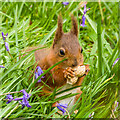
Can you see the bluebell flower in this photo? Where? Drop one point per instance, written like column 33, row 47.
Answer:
column 10, row 98
column 65, row 3
column 1, row 66
column 6, row 46
column 83, row 17
column 24, row 102
column 62, row 107
column 83, row 21
column 36, row 75
column 17, row 99
column 38, row 72
column 115, row 105
column 91, row 115
column 85, row 10
column 4, row 36
column 116, row 61
column 25, row 93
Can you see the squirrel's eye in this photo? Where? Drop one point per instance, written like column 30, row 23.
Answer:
column 81, row 50
column 62, row 52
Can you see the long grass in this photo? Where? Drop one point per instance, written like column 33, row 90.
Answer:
column 32, row 24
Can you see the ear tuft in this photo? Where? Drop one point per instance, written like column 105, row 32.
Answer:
column 74, row 29
column 59, row 30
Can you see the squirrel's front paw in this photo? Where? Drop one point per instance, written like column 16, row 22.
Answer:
column 69, row 74
column 72, row 74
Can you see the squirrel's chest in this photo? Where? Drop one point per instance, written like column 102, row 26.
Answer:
column 70, row 100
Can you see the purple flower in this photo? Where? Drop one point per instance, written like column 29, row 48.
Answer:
column 17, row 99
column 91, row 115
column 6, row 46
column 83, row 21
column 62, row 107
column 116, row 61
column 65, row 3
column 10, row 98
column 24, row 99
column 2, row 66
column 25, row 93
column 36, row 75
column 85, row 10
column 4, row 36
column 38, row 72
column 24, row 102
column 83, row 17
column 116, row 105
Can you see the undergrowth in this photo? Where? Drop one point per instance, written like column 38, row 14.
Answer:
column 35, row 23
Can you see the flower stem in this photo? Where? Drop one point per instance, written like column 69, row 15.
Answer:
column 10, row 93
column 10, row 55
column 113, row 114
column 8, row 52
column 66, row 111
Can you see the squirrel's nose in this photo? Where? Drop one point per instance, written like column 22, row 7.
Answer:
column 75, row 63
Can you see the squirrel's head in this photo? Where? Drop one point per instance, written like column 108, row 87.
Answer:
column 66, row 45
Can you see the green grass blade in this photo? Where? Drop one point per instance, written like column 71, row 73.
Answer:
column 100, row 63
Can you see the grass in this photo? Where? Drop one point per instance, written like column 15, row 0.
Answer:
column 100, row 49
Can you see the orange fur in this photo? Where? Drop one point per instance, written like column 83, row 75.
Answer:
column 49, row 56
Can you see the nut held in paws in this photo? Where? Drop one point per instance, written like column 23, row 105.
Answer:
column 79, row 72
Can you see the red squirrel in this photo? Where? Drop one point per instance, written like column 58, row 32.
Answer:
column 65, row 45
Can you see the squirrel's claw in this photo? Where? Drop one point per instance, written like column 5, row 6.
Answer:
column 69, row 73
column 73, row 74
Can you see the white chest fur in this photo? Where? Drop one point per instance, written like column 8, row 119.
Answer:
column 70, row 101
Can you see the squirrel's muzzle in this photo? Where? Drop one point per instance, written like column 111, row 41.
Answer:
column 75, row 63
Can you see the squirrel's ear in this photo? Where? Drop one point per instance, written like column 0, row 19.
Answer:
column 74, row 29
column 59, row 30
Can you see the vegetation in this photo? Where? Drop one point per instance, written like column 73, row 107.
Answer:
column 31, row 24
